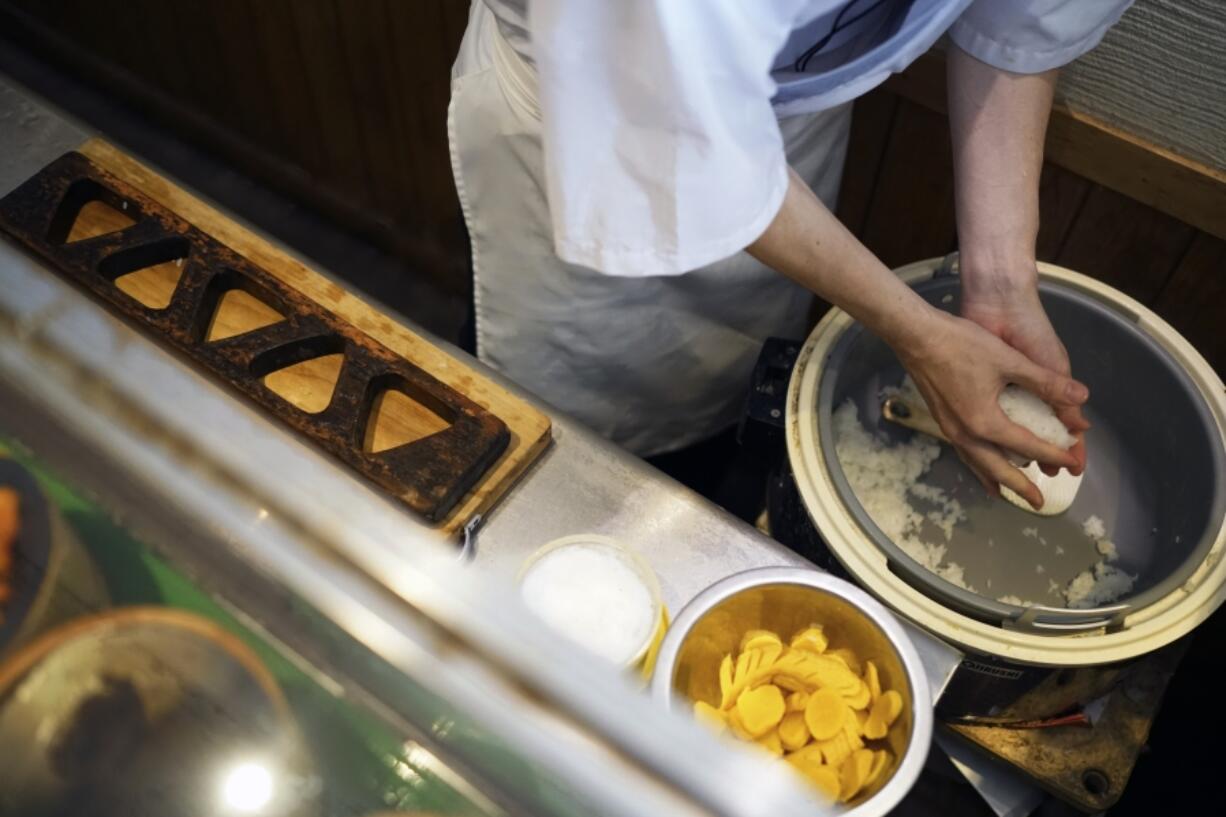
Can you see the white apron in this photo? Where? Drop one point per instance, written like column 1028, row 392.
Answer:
column 653, row 363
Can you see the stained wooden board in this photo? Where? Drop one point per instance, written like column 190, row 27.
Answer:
column 397, row 418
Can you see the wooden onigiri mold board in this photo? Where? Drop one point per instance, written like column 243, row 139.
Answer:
column 404, row 414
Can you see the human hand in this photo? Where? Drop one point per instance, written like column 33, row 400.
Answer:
column 960, row 369
column 1014, row 314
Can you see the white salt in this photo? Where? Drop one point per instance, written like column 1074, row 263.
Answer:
column 1059, row 550
column 1033, row 533
column 1039, row 569
column 1107, row 548
column 1094, row 527
column 1028, row 411
column 591, row 595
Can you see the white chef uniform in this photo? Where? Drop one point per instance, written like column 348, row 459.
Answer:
column 608, row 204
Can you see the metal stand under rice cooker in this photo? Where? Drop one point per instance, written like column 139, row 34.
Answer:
column 1157, row 453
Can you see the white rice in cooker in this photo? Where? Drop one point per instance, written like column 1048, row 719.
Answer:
column 1101, row 583
column 886, row 477
column 886, row 480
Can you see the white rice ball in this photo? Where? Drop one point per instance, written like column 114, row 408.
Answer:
column 1031, row 413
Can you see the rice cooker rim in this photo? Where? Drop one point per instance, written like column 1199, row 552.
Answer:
column 1141, row 630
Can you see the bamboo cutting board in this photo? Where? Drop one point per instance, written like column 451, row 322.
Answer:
column 395, row 418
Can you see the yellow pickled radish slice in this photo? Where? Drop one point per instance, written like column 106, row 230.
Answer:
column 875, row 728
column 725, row 680
column 710, row 716
column 759, row 669
column 853, row 773
column 737, row 727
column 826, row 778
column 790, row 684
column 761, row 709
column 881, row 759
column 759, row 638
column 767, row 654
column 825, row 714
column 861, row 719
column 810, row 755
column 817, row 671
column 872, row 679
column 849, row 658
column 797, row 700
column 833, row 673
column 835, row 750
column 740, row 668
column 793, row 732
column 810, row 640
column 888, row 707
column 852, row 732
column 771, row 743
column 861, row 699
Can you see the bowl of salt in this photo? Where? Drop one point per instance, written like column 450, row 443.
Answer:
column 598, row 593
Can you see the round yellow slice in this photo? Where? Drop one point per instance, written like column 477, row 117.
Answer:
column 825, row 714
column 853, row 773
column 761, row 709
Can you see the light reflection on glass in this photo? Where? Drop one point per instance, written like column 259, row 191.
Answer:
column 247, row 788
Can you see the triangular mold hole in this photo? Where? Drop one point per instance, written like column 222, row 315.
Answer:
column 239, row 312
column 98, row 218
column 397, row 419
column 308, row 385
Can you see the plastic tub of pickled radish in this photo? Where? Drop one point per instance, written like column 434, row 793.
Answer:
column 598, row 593
column 812, row 670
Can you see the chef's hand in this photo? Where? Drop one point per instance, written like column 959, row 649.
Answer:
column 961, row 368
column 1008, row 306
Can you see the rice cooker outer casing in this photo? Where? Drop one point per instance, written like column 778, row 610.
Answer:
column 1142, row 631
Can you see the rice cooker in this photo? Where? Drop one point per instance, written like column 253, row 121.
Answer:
column 1154, row 479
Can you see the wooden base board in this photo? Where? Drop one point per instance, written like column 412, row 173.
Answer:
column 530, row 428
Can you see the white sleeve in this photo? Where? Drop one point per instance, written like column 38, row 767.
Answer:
column 1032, row 36
column 662, row 153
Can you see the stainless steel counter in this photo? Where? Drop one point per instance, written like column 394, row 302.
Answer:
column 581, row 484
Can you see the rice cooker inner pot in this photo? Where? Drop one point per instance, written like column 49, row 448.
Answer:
column 1153, row 476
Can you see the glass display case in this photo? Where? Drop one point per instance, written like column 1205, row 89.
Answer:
column 206, row 616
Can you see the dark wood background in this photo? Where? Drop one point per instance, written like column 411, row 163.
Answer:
column 342, row 105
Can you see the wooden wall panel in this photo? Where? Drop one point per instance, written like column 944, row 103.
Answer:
column 902, row 208
column 1132, row 247
column 911, row 215
column 871, row 122
column 1061, row 196
column 341, row 103
column 1194, row 299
